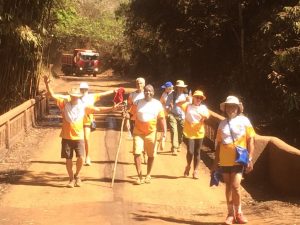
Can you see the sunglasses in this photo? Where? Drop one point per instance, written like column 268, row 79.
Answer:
column 198, row 97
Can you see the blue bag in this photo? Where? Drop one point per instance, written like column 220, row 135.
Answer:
column 242, row 155
column 215, row 178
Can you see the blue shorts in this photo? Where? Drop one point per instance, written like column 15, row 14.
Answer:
column 69, row 146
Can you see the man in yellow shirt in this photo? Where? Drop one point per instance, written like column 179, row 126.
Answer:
column 147, row 112
column 73, row 111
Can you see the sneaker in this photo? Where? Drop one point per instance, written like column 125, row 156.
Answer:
column 139, row 181
column 88, row 161
column 229, row 220
column 148, row 179
column 187, row 171
column 78, row 182
column 70, row 184
column 196, row 174
column 241, row 219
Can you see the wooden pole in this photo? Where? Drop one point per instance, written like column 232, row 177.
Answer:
column 117, row 154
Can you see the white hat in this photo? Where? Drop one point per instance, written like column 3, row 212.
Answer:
column 75, row 92
column 180, row 83
column 84, row 85
column 231, row 100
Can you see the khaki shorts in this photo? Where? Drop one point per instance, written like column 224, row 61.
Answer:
column 144, row 142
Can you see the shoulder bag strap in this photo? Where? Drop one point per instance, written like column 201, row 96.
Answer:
column 230, row 132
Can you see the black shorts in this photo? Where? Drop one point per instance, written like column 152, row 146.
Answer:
column 232, row 169
column 69, row 146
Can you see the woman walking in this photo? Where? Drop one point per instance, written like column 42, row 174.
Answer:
column 234, row 130
column 195, row 114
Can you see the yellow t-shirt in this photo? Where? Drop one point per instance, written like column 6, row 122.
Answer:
column 72, row 119
column 146, row 115
column 194, row 120
column 89, row 101
column 241, row 129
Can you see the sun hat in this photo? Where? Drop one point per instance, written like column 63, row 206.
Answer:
column 84, row 85
column 199, row 93
column 180, row 83
column 75, row 92
column 231, row 100
column 167, row 85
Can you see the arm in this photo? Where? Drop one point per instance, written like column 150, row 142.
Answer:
column 50, row 91
column 217, row 158
column 107, row 109
column 101, row 94
column 250, row 147
column 163, row 125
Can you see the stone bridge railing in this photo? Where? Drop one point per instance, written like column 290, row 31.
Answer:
column 274, row 160
column 15, row 122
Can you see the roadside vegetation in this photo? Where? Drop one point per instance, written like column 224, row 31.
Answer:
column 250, row 48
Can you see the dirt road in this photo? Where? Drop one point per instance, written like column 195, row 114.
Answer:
column 38, row 195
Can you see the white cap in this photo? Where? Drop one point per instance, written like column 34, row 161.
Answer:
column 84, row 85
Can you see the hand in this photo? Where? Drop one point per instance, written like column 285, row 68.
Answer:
column 46, row 79
column 249, row 167
column 116, row 90
column 118, row 106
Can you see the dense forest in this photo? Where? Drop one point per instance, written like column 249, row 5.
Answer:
column 250, row 48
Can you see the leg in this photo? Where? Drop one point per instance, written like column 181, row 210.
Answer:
column 79, row 149
column 197, row 157
column 189, row 155
column 180, row 125
column 69, row 167
column 67, row 153
column 236, row 178
column 87, row 132
column 138, row 147
column 228, row 192
column 149, row 146
column 174, row 134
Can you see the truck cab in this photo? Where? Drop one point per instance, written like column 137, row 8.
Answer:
column 82, row 61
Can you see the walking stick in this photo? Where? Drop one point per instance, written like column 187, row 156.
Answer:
column 119, row 146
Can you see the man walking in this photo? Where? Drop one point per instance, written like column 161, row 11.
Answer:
column 72, row 134
column 147, row 111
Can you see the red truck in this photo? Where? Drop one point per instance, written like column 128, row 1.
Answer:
column 82, row 61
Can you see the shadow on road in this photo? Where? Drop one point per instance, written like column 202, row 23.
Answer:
column 141, row 217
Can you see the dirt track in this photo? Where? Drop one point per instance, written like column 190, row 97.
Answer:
column 36, row 192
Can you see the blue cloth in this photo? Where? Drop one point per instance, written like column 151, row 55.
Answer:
column 215, row 178
column 167, row 84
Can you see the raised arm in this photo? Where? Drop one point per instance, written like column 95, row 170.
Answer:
column 50, row 91
column 107, row 109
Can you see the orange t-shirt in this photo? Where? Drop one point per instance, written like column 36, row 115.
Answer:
column 146, row 115
column 72, row 119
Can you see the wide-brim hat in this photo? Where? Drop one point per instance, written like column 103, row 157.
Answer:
column 232, row 100
column 75, row 92
column 200, row 94
column 167, row 85
column 84, row 85
column 180, row 83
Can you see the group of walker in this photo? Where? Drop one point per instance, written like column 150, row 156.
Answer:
column 185, row 115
